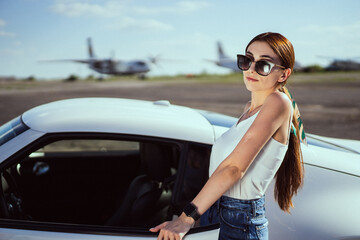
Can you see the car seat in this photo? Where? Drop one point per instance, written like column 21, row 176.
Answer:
column 149, row 195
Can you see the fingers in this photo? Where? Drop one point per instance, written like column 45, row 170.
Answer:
column 161, row 236
column 173, row 230
column 168, row 235
column 164, row 234
column 171, row 237
column 158, row 227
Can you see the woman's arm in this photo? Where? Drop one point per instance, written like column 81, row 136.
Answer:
column 275, row 112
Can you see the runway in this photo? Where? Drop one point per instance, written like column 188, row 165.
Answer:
column 331, row 110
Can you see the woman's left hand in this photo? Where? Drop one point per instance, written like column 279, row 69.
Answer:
column 175, row 229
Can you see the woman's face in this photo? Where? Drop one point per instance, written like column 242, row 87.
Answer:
column 255, row 82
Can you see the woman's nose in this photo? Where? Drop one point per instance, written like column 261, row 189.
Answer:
column 252, row 67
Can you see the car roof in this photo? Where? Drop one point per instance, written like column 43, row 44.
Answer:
column 117, row 115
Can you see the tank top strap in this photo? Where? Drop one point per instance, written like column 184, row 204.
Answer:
column 290, row 126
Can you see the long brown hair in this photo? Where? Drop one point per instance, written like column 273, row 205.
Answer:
column 289, row 177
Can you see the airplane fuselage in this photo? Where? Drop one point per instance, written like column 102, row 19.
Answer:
column 119, row 67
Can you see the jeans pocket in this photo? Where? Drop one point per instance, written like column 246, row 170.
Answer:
column 262, row 231
column 233, row 219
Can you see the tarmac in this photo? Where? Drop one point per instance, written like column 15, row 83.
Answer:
column 331, row 110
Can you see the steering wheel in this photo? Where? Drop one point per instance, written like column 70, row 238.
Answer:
column 11, row 203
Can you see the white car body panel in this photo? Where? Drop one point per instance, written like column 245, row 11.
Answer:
column 329, row 159
column 353, row 145
column 331, row 176
column 120, row 116
column 46, row 235
column 314, row 215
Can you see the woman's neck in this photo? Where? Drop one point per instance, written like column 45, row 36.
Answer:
column 258, row 98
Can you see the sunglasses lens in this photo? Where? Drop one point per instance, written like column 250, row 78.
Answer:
column 243, row 62
column 263, row 68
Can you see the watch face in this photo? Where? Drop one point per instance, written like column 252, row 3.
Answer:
column 191, row 211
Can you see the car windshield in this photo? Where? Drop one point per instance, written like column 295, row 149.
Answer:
column 218, row 119
column 11, row 129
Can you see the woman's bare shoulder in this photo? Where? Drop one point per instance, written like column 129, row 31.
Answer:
column 278, row 102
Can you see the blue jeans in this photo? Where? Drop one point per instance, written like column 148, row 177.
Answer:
column 239, row 219
column 242, row 219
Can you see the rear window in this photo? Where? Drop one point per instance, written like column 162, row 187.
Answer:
column 11, row 129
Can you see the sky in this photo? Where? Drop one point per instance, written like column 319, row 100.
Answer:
column 36, row 30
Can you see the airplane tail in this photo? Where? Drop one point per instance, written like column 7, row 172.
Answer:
column 221, row 53
column 90, row 49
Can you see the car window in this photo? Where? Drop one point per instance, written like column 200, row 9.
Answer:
column 11, row 129
column 107, row 182
column 87, row 146
column 195, row 175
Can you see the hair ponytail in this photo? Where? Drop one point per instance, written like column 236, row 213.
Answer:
column 290, row 175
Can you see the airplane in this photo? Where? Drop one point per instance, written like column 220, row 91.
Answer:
column 224, row 60
column 111, row 66
column 342, row 64
column 231, row 63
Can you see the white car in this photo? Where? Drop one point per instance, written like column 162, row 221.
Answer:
column 108, row 168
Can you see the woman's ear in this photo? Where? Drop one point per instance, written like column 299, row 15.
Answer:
column 285, row 75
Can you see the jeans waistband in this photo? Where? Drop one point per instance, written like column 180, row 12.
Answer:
column 240, row 204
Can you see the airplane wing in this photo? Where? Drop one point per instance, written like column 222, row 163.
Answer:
column 86, row 61
column 210, row 60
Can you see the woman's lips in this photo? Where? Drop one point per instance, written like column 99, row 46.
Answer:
column 251, row 79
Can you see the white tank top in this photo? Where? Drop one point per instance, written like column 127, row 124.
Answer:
column 261, row 171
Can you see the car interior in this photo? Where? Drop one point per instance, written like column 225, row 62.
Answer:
column 92, row 181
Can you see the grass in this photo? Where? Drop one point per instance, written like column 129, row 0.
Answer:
column 296, row 78
column 326, row 77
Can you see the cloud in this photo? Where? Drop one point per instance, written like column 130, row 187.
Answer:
column 143, row 24
column 78, row 9
column 5, row 33
column 351, row 30
column 11, row 52
column 124, row 15
column 190, row 6
column 181, row 7
column 120, row 14
column 336, row 41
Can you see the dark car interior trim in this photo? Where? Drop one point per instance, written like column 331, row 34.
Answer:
column 87, row 229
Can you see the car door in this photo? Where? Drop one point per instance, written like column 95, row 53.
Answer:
column 74, row 186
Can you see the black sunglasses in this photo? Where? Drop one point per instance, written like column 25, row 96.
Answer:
column 262, row 67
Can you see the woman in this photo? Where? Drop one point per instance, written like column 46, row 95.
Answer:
column 259, row 147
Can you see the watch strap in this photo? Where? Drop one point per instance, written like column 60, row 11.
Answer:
column 191, row 210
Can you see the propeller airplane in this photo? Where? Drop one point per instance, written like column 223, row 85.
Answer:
column 112, row 66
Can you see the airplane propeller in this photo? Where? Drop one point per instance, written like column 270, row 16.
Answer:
column 156, row 59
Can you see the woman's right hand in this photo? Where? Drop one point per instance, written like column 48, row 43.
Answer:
column 175, row 229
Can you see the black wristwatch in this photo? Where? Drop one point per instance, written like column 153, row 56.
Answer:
column 192, row 211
